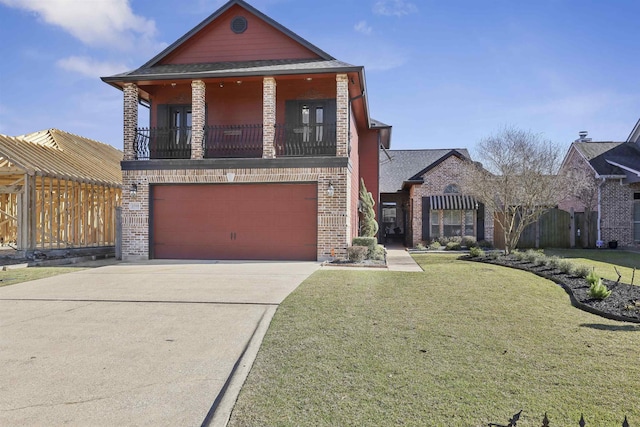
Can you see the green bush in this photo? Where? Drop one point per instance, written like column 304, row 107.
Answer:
column 476, row 252
column 532, row 256
column 444, row 241
column 518, row 255
column 599, row 290
column 493, row 254
column 541, row 260
column 565, row 266
column 552, row 261
column 369, row 242
column 357, row 253
column 452, row 246
column 581, row 270
column 420, row 247
column 485, row 244
column 592, row 278
column 377, row 253
column 468, row 241
column 435, row 245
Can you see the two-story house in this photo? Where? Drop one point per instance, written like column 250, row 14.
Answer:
column 256, row 145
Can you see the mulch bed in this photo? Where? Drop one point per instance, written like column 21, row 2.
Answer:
column 623, row 304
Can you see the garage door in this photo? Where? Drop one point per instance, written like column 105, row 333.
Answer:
column 234, row 221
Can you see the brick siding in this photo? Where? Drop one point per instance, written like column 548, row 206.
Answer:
column 198, row 96
column 130, row 92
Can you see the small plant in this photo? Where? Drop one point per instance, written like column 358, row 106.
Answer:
column 565, row 266
column 592, row 278
column 369, row 242
column 357, row 253
column 532, row 256
column 552, row 261
column 453, row 246
column 493, row 255
column 485, row 244
column 468, row 241
column 581, row 271
column 599, row 290
column 476, row 252
column 541, row 260
column 420, row 247
column 377, row 253
column 518, row 255
column 435, row 245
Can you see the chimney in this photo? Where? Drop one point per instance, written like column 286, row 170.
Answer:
column 583, row 136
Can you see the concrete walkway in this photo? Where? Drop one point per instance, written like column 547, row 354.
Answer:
column 398, row 259
column 154, row 343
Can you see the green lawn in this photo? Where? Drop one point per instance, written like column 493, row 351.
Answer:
column 462, row 344
column 603, row 261
column 13, row 276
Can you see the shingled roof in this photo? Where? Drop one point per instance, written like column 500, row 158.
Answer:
column 399, row 166
column 60, row 154
column 596, row 153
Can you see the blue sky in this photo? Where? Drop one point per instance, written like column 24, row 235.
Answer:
column 444, row 73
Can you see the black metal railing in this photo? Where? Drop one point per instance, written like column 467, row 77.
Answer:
column 243, row 141
column 305, row 140
column 163, row 143
column 513, row 422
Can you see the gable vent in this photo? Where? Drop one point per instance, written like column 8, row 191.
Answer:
column 239, row 24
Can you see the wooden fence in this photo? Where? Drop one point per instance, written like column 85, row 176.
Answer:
column 545, row 421
column 553, row 230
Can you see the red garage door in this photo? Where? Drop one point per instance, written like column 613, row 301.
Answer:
column 234, row 221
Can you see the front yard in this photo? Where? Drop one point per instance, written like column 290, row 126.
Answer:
column 462, row 344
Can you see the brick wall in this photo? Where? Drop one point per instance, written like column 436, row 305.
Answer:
column 333, row 215
column 198, row 95
column 574, row 161
column 450, row 171
column 616, row 215
column 130, row 93
column 268, row 117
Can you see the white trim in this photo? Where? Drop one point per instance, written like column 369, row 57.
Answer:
column 627, row 168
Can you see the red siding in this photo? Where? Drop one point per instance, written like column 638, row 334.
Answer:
column 355, row 176
column 318, row 88
column 217, row 43
column 369, row 163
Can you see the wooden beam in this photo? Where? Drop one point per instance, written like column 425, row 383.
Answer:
column 9, row 189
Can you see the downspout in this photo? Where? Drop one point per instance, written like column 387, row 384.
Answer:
column 599, row 239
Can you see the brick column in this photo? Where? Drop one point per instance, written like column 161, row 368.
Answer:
column 342, row 115
column 198, row 93
column 130, row 92
column 268, row 117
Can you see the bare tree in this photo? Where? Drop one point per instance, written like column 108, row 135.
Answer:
column 517, row 180
column 583, row 188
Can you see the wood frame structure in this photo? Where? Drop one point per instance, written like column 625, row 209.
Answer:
column 58, row 191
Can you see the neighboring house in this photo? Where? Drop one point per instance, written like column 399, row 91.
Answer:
column 615, row 167
column 58, row 191
column 256, row 145
column 422, row 197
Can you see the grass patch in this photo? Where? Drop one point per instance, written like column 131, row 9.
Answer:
column 603, row 262
column 18, row 275
column 462, row 344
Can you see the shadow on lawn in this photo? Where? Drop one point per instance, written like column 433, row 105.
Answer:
column 622, row 328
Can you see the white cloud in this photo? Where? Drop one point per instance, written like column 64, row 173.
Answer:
column 90, row 67
column 109, row 23
column 363, row 28
column 394, row 8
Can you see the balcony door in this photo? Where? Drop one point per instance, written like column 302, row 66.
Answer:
column 173, row 135
column 310, row 127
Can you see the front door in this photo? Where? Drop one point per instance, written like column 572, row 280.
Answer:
column 172, row 139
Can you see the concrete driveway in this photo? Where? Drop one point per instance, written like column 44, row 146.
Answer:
column 153, row 343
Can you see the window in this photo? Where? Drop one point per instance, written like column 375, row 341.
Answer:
column 389, row 214
column 452, row 221
column 468, row 224
column 451, row 189
column 435, row 224
column 636, row 217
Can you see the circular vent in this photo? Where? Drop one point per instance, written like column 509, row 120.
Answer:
column 239, row 24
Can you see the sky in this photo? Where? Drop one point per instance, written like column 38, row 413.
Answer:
column 443, row 73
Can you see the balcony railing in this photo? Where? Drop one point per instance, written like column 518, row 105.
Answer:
column 236, row 141
column 243, row 141
column 305, row 140
column 163, row 143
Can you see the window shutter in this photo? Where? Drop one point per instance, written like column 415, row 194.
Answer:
column 480, row 222
column 426, row 225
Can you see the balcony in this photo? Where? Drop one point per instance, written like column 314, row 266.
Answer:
column 236, row 141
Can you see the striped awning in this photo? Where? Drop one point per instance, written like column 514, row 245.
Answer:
column 453, row 202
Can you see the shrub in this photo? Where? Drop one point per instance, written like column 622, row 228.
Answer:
column 377, row 253
column 444, row 241
column 552, row 261
column 369, row 242
column 599, row 290
column 476, row 252
column 541, row 260
column 592, row 278
column 420, row 247
column 357, row 253
column 565, row 266
column 493, row 254
column 532, row 256
column 485, row 244
column 452, row 246
column 518, row 255
column 468, row 241
column 435, row 245
column 581, row 271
